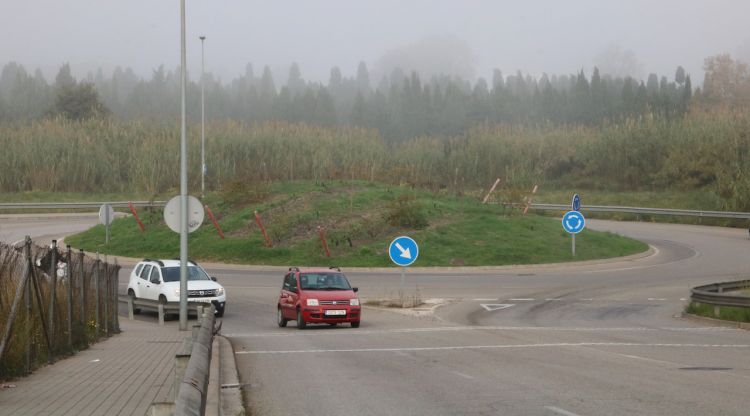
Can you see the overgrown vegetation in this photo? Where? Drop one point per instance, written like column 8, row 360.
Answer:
column 30, row 329
column 705, row 151
column 727, row 313
column 460, row 232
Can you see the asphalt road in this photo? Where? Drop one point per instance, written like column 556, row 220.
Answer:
column 578, row 339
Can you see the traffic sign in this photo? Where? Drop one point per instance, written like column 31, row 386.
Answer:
column 403, row 251
column 106, row 214
column 576, row 202
column 573, row 222
column 195, row 214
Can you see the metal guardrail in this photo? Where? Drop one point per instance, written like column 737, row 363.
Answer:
column 191, row 398
column 76, row 205
column 161, row 308
column 643, row 211
column 714, row 294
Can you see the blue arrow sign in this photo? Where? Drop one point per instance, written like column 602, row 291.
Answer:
column 576, row 202
column 573, row 222
column 403, row 251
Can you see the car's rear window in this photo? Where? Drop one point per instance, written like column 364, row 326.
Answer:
column 172, row 274
column 324, row 281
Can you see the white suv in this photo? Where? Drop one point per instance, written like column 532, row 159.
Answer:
column 160, row 280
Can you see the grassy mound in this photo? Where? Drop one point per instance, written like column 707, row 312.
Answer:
column 360, row 219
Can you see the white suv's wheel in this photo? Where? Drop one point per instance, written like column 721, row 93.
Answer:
column 131, row 294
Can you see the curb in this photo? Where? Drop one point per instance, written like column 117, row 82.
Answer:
column 130, row 261
column 231, row 389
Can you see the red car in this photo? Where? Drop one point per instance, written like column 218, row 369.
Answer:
column 317, row 296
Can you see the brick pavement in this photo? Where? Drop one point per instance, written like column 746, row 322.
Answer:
column 122, row 375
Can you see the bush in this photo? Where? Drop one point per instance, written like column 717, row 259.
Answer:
column 406, row 211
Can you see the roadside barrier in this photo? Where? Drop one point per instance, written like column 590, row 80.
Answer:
column 643, row 211
column 136, row 304
column 715, row 294
column 78, row 205
column 542, row 207
column 192, row 370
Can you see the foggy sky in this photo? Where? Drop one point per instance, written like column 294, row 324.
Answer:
column 547, row 36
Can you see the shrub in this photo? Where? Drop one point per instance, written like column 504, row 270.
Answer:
column 406, row 211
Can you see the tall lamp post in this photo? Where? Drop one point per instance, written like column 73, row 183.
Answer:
column 183, row 179
column 203, row 122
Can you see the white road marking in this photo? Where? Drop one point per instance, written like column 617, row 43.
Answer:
column 522, row 299
column 485, row 300
column 549, row 299
column 466, row 376
column 683, row 299
column 635, row 357
column 657, row 299
column 696, row 253
column 491, row 307
column 499, row 346
column 476, row 328
column 560, row 411
column 587, row 299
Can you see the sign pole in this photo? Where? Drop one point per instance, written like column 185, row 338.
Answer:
column 574, row 245
column 106, row 228
column 403, row 278
column 183, row 179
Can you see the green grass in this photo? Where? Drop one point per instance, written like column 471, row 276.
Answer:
column 692, row 199
column 461, row 231
column 726, row 313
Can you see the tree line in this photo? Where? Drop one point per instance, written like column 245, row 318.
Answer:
column 400, row 105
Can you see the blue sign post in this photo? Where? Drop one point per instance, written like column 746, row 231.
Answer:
column 576, row 202
column 573, row 222
column 403, row 251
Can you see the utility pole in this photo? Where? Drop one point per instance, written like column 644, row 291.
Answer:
column 183, row 179
column 203, row 121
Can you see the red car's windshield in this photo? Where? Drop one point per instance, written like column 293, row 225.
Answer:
column 324, row 281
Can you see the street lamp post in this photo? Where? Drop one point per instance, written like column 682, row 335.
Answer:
column 203, row 122
column 183, row 179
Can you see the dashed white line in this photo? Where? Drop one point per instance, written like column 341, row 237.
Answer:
column 485, row 300
column 657, row 299
column 498, row 346
column 523, row 299
column 551, row 299
column 560, row 411
column 478, row 328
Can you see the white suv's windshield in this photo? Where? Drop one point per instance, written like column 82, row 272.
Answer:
column 172, row 274
column 324, row 281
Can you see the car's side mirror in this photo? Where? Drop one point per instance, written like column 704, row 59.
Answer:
column 213, row 278
column 155, row 282
column 355, row 289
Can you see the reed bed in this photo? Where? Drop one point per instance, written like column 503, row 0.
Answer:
column 702, row 150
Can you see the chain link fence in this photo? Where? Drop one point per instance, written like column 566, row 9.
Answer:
column 53, row 302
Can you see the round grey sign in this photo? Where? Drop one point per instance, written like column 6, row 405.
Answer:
column 106, row 214
column 195, row 214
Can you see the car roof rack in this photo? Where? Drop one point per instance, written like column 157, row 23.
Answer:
column 335, row 268
column 294, row 268
column 159, row 262
column 189, row 261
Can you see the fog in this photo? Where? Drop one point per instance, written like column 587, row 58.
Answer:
column 465, row 38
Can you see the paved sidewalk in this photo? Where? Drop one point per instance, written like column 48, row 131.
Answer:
column 122, row 375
